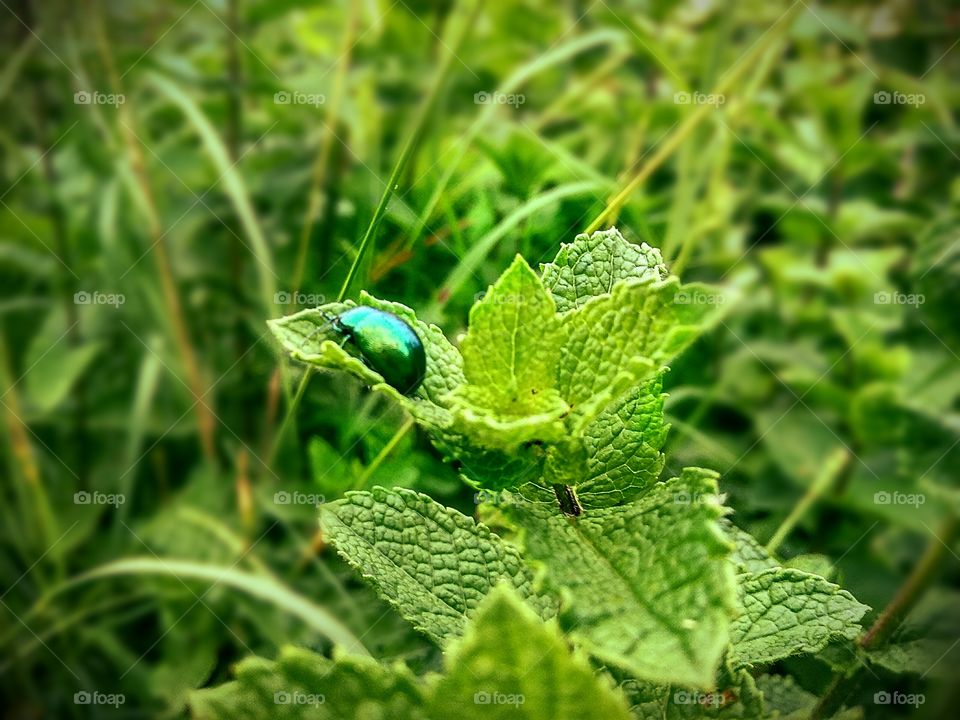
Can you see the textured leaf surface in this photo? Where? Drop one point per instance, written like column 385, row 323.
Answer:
column 782, row 695
column 787, row 612
column 309, row 337
column 736, row 697
column 592, row 264
column 510, row 348
column 431, row 562
column 650, row 585
column 303, row 684
column 623, row 447
column 512, row 665
column 614, row 341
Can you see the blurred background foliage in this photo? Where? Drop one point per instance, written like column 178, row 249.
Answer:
column 144, row 243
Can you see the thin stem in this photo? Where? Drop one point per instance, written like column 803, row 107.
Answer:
column 693, row 120
column 412, row 140
column 206, row 422
column 323, row 157
column 833, row 468
column 890, row 618
column 914, row 587
column 368, row 472
column 289, row 415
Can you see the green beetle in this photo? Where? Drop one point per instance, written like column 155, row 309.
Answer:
column 387, row 344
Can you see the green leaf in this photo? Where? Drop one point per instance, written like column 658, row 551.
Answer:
column 736, row 697
column 511, row 665
column 787, row 612
column 303, row 684
column 478, row 414
column 431, row 562
column 649, row 584
column 623, row 447
column 510, row 348
column 922, row 656
column 749, row 556
column 782, row 695
column 614, row 341
column 592, row 264
column 309, row 337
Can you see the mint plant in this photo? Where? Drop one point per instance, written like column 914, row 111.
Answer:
column 609, row 592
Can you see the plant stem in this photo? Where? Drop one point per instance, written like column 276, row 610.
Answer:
column 890, row 618
column 383, row 454
column 693, row 120
column 832, row 468
column 326, row 146
column 420, row 122
column 206, row 422
column 914, row 587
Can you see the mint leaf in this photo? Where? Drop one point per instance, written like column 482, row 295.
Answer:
column 736, row 697
column 623, row 445
column 431, row 562
column 303, row 684
column 509, row 664
column 650, row 585
column 309, row 337
column 749, row 556
column 787, row 612
column 592, row 264
column 510, row 348
column 782, row 695
column 614, row 341
column 478, row 414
